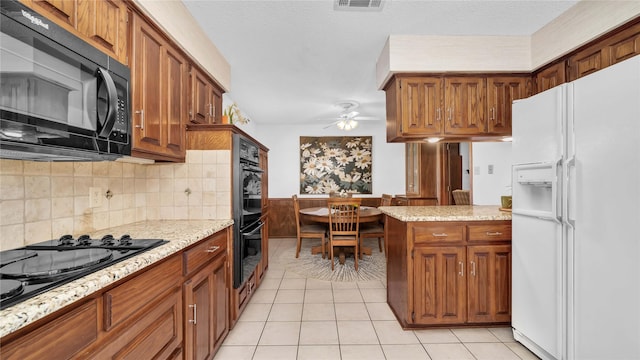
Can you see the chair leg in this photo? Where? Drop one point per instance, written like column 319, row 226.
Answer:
column 380, row 244
column 331, row 254
column 355, row 255
column 323, row 247
column 298, row 247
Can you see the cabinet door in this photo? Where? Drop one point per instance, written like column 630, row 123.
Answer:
column 501, row 91
column 159, row 76
column 198, row 314
column 551, row 76
column 62, row 12
column 439, row 285
column 421, row 105
column 206, row 309
column 145, row 76
column 585, row 62
column 174, row 101
column 221, row 291
column 104, row 23
column 489, row 294
column 465, row 105
column 201, row 106
column 622, row 46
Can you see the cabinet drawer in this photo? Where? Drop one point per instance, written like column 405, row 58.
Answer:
column 205, row 251
column 155, row 334
column 61, row 338
column 437, row 233
column 128, row 298
column 489, row 232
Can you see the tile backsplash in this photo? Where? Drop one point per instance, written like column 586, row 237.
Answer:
column 44, row 200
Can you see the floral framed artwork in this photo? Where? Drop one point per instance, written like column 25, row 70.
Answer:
column 335, row 163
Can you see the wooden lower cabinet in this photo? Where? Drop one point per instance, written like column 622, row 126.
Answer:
column 439, row 282
column 489, row 283
column 61, row 338
column 206, row 306
column 147, row 315
column 155, row 334
column 449, row 273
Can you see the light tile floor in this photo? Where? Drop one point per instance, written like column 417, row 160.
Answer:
column 292, row 317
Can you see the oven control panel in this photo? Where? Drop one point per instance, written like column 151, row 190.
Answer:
column 249, row 151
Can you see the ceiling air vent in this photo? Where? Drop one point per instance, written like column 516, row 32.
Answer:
column 358, row 5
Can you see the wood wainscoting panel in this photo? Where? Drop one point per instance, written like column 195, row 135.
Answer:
column 282, row 220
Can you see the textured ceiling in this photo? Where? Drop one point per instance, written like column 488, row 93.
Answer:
column 291, row 61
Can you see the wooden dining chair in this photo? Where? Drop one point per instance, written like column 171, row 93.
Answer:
column 308, row 231
column 344, row 224
column 376, row 230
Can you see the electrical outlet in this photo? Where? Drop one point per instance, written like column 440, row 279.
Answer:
column 95, row 197
column 490, row 169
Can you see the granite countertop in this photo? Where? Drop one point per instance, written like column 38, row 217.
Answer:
column 180, row 233
column 446, row 213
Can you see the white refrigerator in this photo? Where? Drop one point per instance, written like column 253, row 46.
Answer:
column 576, row 218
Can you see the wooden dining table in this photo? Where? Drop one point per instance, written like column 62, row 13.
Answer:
column 320, row 214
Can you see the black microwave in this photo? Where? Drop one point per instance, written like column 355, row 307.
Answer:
column 61, row 99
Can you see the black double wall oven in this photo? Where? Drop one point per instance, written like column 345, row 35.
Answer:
column 247, row 208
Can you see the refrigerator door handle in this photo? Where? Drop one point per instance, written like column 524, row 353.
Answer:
column 571, row 164
column 557, row 215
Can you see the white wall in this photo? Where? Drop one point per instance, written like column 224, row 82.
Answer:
column 283, row 141
column 487, row 188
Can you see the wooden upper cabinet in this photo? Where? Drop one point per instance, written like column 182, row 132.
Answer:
column 421, row 99
column 452, row 106
column 62, row 12
column 104, row 23
column 604, row 53
column 206, row 99
column 465, row 105
column 551, row 76
column 159, row 81
column 501, row 91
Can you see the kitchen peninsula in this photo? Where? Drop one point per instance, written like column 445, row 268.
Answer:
column 448, row 265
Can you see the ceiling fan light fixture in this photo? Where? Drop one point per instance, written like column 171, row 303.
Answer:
column 347, row 125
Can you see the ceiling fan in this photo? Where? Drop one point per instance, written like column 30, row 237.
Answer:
column 346, row 119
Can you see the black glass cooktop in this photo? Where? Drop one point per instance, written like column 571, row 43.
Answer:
column 34, row 269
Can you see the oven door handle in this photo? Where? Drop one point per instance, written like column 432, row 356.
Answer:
column 261, row 224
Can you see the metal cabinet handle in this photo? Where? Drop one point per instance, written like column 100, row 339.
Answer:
column 497, row 233
column 213, row 249
column 439, row 234
column 473, row 268
column 492, row 115
column 195, row 314
column 141, row 112
column 438, row 114
column 450, row 111
column 461, row 273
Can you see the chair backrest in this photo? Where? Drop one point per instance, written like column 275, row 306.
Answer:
column 344, row 216
column 461, row 197
column 335, row 194
column 386, row 200
column 296, row 210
